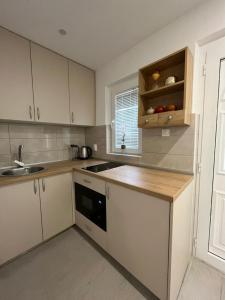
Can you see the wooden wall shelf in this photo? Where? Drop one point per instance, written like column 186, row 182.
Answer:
column 178, row 64
column 167, row 89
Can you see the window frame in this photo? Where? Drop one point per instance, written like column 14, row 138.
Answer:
column 125, row 85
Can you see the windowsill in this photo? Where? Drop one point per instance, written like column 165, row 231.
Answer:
column 125, row 154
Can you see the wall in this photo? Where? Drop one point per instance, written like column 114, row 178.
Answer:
column 42, row 143
column 175, row 152
column 193, row 27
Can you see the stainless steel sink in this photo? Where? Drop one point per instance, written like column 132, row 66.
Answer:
column 22, row 171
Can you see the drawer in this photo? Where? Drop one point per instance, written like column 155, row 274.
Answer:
column 149, row 121
column 171, row 118
column 90, row 182
column 92, row 230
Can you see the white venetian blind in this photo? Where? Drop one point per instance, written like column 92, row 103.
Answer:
column 126, row 119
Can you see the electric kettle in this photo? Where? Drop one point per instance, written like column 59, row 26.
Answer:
column 85, row 152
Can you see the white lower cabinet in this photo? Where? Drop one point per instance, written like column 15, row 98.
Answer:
column 96, row 233
column 20, row 219
column 56, row 204
column 138, row 236
column 33, row 211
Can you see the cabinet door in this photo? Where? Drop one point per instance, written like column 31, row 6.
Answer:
column 138, row 235
column 82, row 95
column 16, row 96
column 20, row 219
column 50, row 81
column 56, row 204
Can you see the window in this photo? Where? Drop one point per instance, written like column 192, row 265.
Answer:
column 125, row 131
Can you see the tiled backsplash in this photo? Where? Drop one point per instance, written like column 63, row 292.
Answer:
column 175, row 152
column 42, row 143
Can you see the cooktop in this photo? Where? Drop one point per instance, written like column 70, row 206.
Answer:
column 103, row 167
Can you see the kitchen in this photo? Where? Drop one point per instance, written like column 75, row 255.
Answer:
column 112, row 160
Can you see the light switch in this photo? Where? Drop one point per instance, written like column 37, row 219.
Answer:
column 165, row 132
column 95, row 147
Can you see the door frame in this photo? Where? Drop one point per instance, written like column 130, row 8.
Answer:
column 205, row 166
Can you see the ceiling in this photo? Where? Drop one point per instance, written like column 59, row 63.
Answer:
column 97, row 30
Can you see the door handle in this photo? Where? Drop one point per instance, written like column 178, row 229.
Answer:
column 35, row 187
column 43, row 185
column 30, row 112
column 38, row 113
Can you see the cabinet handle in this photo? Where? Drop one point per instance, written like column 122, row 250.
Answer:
column 43, row 185
column 72, row 117
column 87, row 181
column 38, row 113
column 35, row 187
column 146, row 121
column 30, row 112
column 170, row 117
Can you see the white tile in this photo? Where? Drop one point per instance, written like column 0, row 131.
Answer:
column 37, row 157
column 21, row 131
column 64, row 154
column 63, row 143
column 173, row 162
column 65, row 268
column 176, row 145
column 63, row 132
column 201, row 283
column 33, row 145
column 77, row 139
column 77, row 130
column 4, row 146
column 5, row 160
column 4, row 131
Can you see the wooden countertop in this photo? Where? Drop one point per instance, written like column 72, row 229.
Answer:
column 162, row 184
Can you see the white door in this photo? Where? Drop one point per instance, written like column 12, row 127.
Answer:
column 138, row 235
column 211, row 227
column 16, row 95
column 20, row 219
column 50, row 82
column 82, row 95
column 56, row 204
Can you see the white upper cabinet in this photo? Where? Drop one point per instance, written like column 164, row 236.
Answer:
column 37, row 84
column 16, row 96
column 82, row 95
column 50, row 84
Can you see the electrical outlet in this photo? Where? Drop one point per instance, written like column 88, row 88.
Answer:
column 165, row 132
column 95, row 147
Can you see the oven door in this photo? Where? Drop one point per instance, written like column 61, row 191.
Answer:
column 91, row 204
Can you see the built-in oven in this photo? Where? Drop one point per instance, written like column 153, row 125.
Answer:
column 91, row 204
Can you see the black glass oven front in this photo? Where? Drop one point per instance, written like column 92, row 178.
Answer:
column 91, row 204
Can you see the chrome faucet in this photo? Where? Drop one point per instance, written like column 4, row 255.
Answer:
column 19, row 162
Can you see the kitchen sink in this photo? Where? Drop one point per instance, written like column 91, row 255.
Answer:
column 22, row 171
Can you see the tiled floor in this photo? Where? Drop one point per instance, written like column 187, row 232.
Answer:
column 203, row 283
column 65, row 268
column 71, row 267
